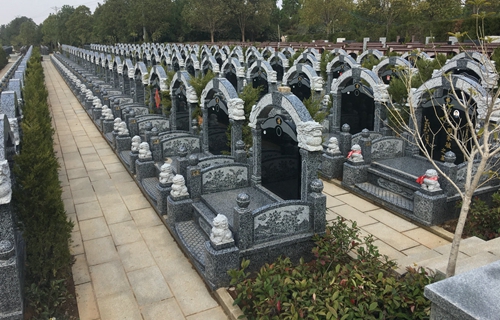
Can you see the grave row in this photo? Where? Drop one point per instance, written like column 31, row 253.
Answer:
column 12, row 246
column 358, row 97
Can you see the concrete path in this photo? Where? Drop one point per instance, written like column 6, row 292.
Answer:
column 127, row 264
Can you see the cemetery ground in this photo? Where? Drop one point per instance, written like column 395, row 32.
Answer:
column 126, row 263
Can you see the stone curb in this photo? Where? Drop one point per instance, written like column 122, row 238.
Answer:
column 226, row 301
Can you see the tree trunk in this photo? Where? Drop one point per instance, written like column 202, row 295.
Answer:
column 212, row 36
column 243, row 34
column 457, row 237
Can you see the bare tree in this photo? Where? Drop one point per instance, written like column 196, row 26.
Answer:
column 474, row 132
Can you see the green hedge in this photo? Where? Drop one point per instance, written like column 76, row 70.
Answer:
column 37, row 201
column 4, row 58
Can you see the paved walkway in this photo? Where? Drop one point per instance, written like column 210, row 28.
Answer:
column 127, row 264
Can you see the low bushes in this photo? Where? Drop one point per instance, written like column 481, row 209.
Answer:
column 4, row 58
column 484, row 220
column 37, row 202
column 333, row 286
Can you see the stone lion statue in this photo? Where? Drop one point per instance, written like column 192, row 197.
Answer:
column 333, row 146
column 166, row 175
column 178, row 187
column 122, row 129
column 429, row 181
column 116, row 123
column 355, row 154
column 144, row 152
column 317, row 83
column 191, row 96
column 220, row 232
column 309, row 135
column 136, row 141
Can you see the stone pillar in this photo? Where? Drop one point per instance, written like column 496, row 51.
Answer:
column 240, row 154
column 173, row 114
column 179, row 209
column 204, row 126
column 450, row 169
column 191, row 107
column 182, row 161
column 332, row 165
column 257, row 155
column 366, row 146
column 310, row 162
column 318, row 205
column 236, row 134
column 218, row 260
column 242, row 222
column 156, row 148
column 193, row 177
column 144, row 168
column 123, row 143
column 429, row 207
column 133, row 127
column 334, row 116
column 345, row 140
column 134, row 156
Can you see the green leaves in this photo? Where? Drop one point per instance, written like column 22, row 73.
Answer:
column 341, row 288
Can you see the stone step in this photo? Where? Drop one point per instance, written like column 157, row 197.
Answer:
column 150, row 186
column 193, row 239
column 393, row 182
column 390, row 198
column 467, row 264
column 203, row 216
column 414, row 260
column 467, row 246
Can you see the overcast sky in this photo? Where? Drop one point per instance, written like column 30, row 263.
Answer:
column 38, row 10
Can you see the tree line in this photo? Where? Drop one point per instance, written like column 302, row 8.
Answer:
column 251, row 20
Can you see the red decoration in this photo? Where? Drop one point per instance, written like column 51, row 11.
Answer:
column 157, row 99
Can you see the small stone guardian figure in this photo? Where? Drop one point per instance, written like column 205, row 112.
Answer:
column 5, row 183
column 117, row 122
column 355, row 154
column 220, row 232
column 136, row 141
column 333, row 146
column 122, row 129
column 179, row 188
column 144, row 152
column 166, row 175
column 429, row 181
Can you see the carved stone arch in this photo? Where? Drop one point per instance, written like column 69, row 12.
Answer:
column 141, row 72
column 234, row 72
column 177, row 61
column 220, row 57
column 192, row 64
column 382, row 69
column 209, row 63
column 221, row 85
column 308, row 58
column 238, row 54
column 294, row 79
column 314, row 52
column 358, row 73
column 259, row 65
column 339, row 51
column 474, row 55
column 252, row 56
column 288, row 52
column 343, row 59
column 226, row 49
column 180, row 77
column 157, row 72
column 416, row 53
column 249, row 49
column 267, row 52
column 376, row 53
column 261, row 74
column 459, row 82
column 487, row 78
column 128, row 68
column 118, row 65
column 279, row 63
column 451, row 92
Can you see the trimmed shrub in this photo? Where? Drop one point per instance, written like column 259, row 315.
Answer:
column 4, row 58
column 334, row 285
column 37, row 201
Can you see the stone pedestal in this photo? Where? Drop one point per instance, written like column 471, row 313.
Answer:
column 96, row 113
column 144, row 169
column 470, row 295
column 318, row 205
column 179, row 209
column 107, row 126
column 218, row 262
column 123, row 143
column 332, row 165
column 354, row 172
column 163, row 193
column 430, row 207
